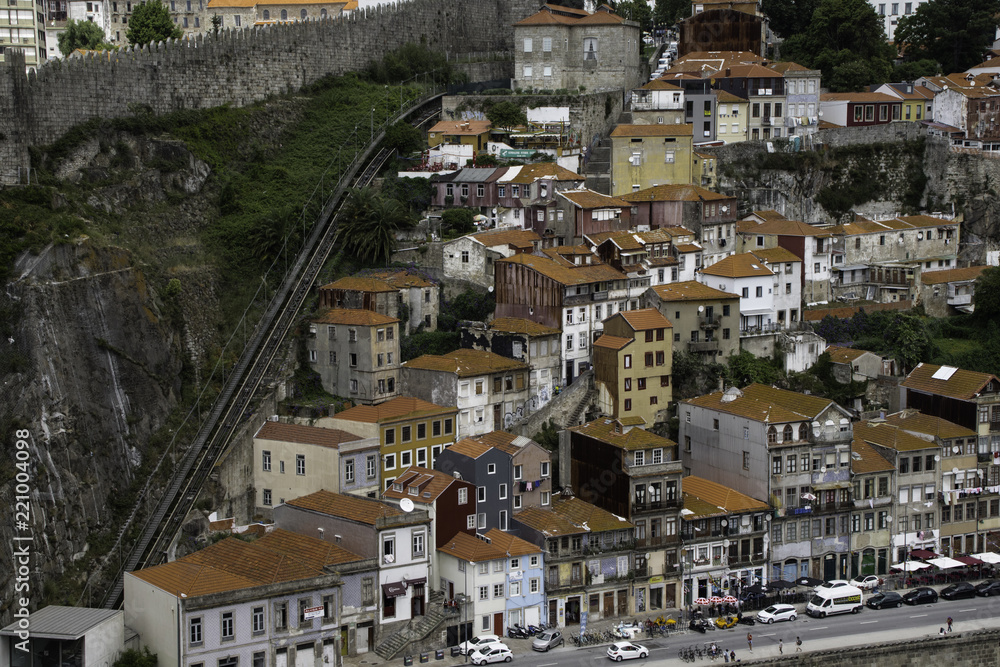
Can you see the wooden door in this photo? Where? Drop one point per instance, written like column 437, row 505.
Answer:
column 498, row 624
column 609, row 604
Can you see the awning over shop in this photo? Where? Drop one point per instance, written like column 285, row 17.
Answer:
column 394, row 589
column 945, row 563
column 416, row 582
column 969, row 560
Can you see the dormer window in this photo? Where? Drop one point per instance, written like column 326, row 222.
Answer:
column 397, row 487
column 414, row 491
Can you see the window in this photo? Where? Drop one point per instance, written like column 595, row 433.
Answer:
column 481, row 494
column 267, row 497
column 590, row 48
column 503, row 492
column 390, row 461
column 266, row 456
column 227, row 629
column 498, row 590
column 349, row 470
column 628, row 361
column 418, row 544
column 194, row 630
column 527, row 71
column 760, row 292
column 257, row 620
column 746, row 460
column 404, row 459
column 281, row 616
column 300, row 464
column 544, row 469
column 545, row 498
column 746, row 293
column 527, row 45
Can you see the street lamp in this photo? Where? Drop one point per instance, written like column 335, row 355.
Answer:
column 373, row 124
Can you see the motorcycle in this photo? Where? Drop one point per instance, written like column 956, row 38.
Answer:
column 698, row 625
column 745, row 620
column 534, row 630
column 517, row 632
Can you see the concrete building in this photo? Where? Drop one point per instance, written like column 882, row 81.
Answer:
column 643, row 156
column 860, row 109
column 874, row 499
column 657, row 103
column 500, row 577
column 890, row 13
column 360, row 293
column 723, row 25
column 705, row 320
column 81, row 636
column 474, row 133
column 794, row 450
column 520, row 339
column 275, row 600
column 410, row 431
column 20, row 28
column 965, row 518
column 489, row 391
column 588, row 556
column 587, row 212
column 724, row 534
column 420, row 295
column 449, row 501
column 632, row 365
column 472, row 257
column 749, row 277
column 296, row 460
column 811, row 244
column 356, row 353
column 489, row 468
column 802, row 90
column 372, row 529
column 787, row 286
column 564, row 48
column 732, row 114
column 852, row 364
column 468, row 187
column 948, row 292
column 917, row 100
column 526, row 199
column 531, row 467
column 634, row 473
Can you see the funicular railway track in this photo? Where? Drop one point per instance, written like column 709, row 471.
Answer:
column 234, row 403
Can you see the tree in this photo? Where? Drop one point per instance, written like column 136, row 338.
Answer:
column 746, row 368
column 80, row 35
column 668, row 12
column 368, row 226
column 913, row 70
column 151, row 22
column 954, row 33
column 789, row 17
column 506, row 114
column 636, row 10
column 458, row 221
column 403, row 138
column 986, row 297
column 846, row 40
column 216, row 23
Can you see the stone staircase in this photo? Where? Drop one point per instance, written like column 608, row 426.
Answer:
column 416, row 629
column 598, row 169
column 581, row 409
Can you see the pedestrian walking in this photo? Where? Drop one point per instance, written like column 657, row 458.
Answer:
column 750, row 641
column 732, row 656
column 798, row 644
column 949, row 624
column 781, row 647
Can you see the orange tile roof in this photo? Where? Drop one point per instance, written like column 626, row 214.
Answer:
column 918, row 422
column 612, row 342
column 306, row 435
column 659, row 130
column 678, row 192
column 458, row 127
column 507, row 442
column 788, row 228
column 688, row 247
column 721, row 497
column 557, row 15
column 233, row 564
column 472, row 549
column 788, row 66
column 857, row 97
column 518, row 238
column 744, row 265
column 645, row 318
column 865, row 459
column 404, row 278
column 962, row 385
column 659, row 84
column 726, row 97
column 360, row 284
column 769, row 214
column 844, row 355
column 588, row 516
column 511, row 545
column 530, row 173
column 629, row 439
column 431, row 483
column 470, row 448
column 522, row 326
column 353, row 316
column 590, row 199
column 565, row 274
column 466, row 363
column 888, row 435
column 776, row 255
column 395, row 409
column 691, row 291
column 352, row 508
column 951, row 275
column 761, row 403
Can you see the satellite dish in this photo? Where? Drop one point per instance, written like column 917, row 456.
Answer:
column 490, row 288
column 889, row 519
column 724, row 522
column 725, row 543
column 823, row 469
column 937, row 457
column 955, row 450
column 701, row 309
column 406, row 505
column 954, row 471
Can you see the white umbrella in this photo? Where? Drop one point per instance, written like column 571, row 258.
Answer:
column 945, row 563
column 988, row 557
column 910, row 566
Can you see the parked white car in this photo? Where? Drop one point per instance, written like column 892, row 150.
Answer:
column 776, row 612
column 476, row 643
column 626, row 651
column 866, row 583
column 491, row 653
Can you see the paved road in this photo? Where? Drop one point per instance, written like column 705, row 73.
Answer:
column 870, row 626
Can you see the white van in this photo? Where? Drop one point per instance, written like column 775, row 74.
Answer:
column 839, row 600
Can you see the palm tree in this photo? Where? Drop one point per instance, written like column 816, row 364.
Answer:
column 368, row 226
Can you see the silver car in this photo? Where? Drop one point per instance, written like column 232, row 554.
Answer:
column 548, row 639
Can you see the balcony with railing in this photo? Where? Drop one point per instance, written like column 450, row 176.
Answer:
column 656, row 505
column 710, row 322
column 704, row 346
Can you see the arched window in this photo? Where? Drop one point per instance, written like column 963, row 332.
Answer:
column 787, row 434
column 284, row 14
column 322, row 13
column 772, row 435
column 803, row 432
column 267, row 15
column 303, row 14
